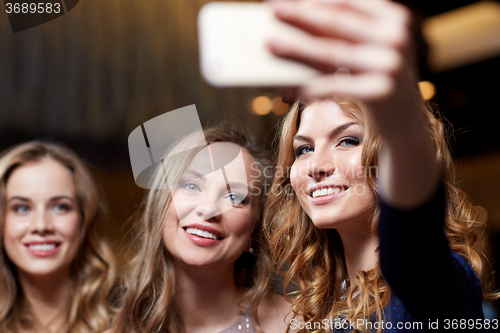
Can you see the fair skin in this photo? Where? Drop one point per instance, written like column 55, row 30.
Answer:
column 208, row 294
column 372, row 39
column 41, row 237
column 328, row 147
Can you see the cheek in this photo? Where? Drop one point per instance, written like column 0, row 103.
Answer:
column 241, row 222
column 171, row 220
column 12, row 232
column 180, row 206
column 353, row 169
column 296, row 178
column 69, row 228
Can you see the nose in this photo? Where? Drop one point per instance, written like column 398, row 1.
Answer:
column 320, row 165
column 42, row 223
column 207, row 207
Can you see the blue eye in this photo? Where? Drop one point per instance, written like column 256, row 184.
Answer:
column 349, row 141
column 190, row 186
column 237, row 198
column 21, row 209
column 303, row 150
column 61, row 208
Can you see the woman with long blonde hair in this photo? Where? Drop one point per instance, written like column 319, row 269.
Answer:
column 375, row 232
column 56, row 271
column 200, row 263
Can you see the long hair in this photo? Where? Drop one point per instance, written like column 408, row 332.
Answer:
column 313, row 259
column 92, row 272
column 149, row 304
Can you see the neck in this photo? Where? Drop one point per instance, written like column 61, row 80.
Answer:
column 48, row 298
column 360, row 249
column 208, row 299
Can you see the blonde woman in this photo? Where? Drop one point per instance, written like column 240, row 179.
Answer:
column 375, row 232
column 56, row 272
column 200, row 263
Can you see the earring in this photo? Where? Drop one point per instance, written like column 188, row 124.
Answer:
column 250, row 248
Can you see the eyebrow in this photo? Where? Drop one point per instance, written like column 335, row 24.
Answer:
column 18, row 198
column 333, row 133
column 51, row 199
column 194, row 173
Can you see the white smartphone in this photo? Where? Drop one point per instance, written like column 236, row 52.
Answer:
column 232, row 48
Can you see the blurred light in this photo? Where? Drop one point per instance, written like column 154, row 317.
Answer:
column 427, row 89
column 463, row 35
column 279, row 107
column 261, row 105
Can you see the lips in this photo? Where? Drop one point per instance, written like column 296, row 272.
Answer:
column 203, row 231
column 43, row 248
column 326, row 189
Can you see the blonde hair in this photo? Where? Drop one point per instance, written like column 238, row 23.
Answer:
column 149, row 304
column 313, row 259
column 93, row 270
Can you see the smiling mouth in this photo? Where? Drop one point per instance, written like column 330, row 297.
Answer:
column 43, row 247
column 202, row 233
column 328, row 191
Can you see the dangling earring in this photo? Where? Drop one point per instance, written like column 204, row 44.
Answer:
column 250, row 248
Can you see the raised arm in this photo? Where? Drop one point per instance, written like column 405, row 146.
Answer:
column 364, row 49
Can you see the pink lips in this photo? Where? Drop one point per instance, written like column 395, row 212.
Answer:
column 201, row 241
column 42, row 253
column 325, row 199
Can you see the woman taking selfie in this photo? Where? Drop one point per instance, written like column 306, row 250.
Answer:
column 375, row 232
column 56, row 272
column 200, row 264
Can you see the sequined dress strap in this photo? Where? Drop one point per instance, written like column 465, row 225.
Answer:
column 242, row 325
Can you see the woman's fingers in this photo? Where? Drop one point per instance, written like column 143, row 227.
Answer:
column 328, row 54
column 345, row 20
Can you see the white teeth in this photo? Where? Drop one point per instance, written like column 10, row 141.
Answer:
column 327, row 191
column 42, row 247
column 201, row 233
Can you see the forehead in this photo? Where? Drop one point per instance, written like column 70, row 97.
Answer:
column 46, row 176
column 322, row 116
column 237, row 163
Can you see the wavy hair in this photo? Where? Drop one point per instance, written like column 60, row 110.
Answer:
column 313, row 259
column 149, row 304
column 93, row 271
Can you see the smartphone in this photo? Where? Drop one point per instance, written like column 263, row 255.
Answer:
column 232, row 48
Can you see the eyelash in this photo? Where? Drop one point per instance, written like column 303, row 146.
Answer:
column 187, row 184
column 350, row 141
column 17, row 207
column 236, row 196
column 353, row 141
column 63, row 207
column 236, row 201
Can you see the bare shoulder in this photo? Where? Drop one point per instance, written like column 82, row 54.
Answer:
column 275, row 314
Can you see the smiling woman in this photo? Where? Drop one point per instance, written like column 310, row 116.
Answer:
column 378, row 231
column 201, row 264
column 56, row 273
